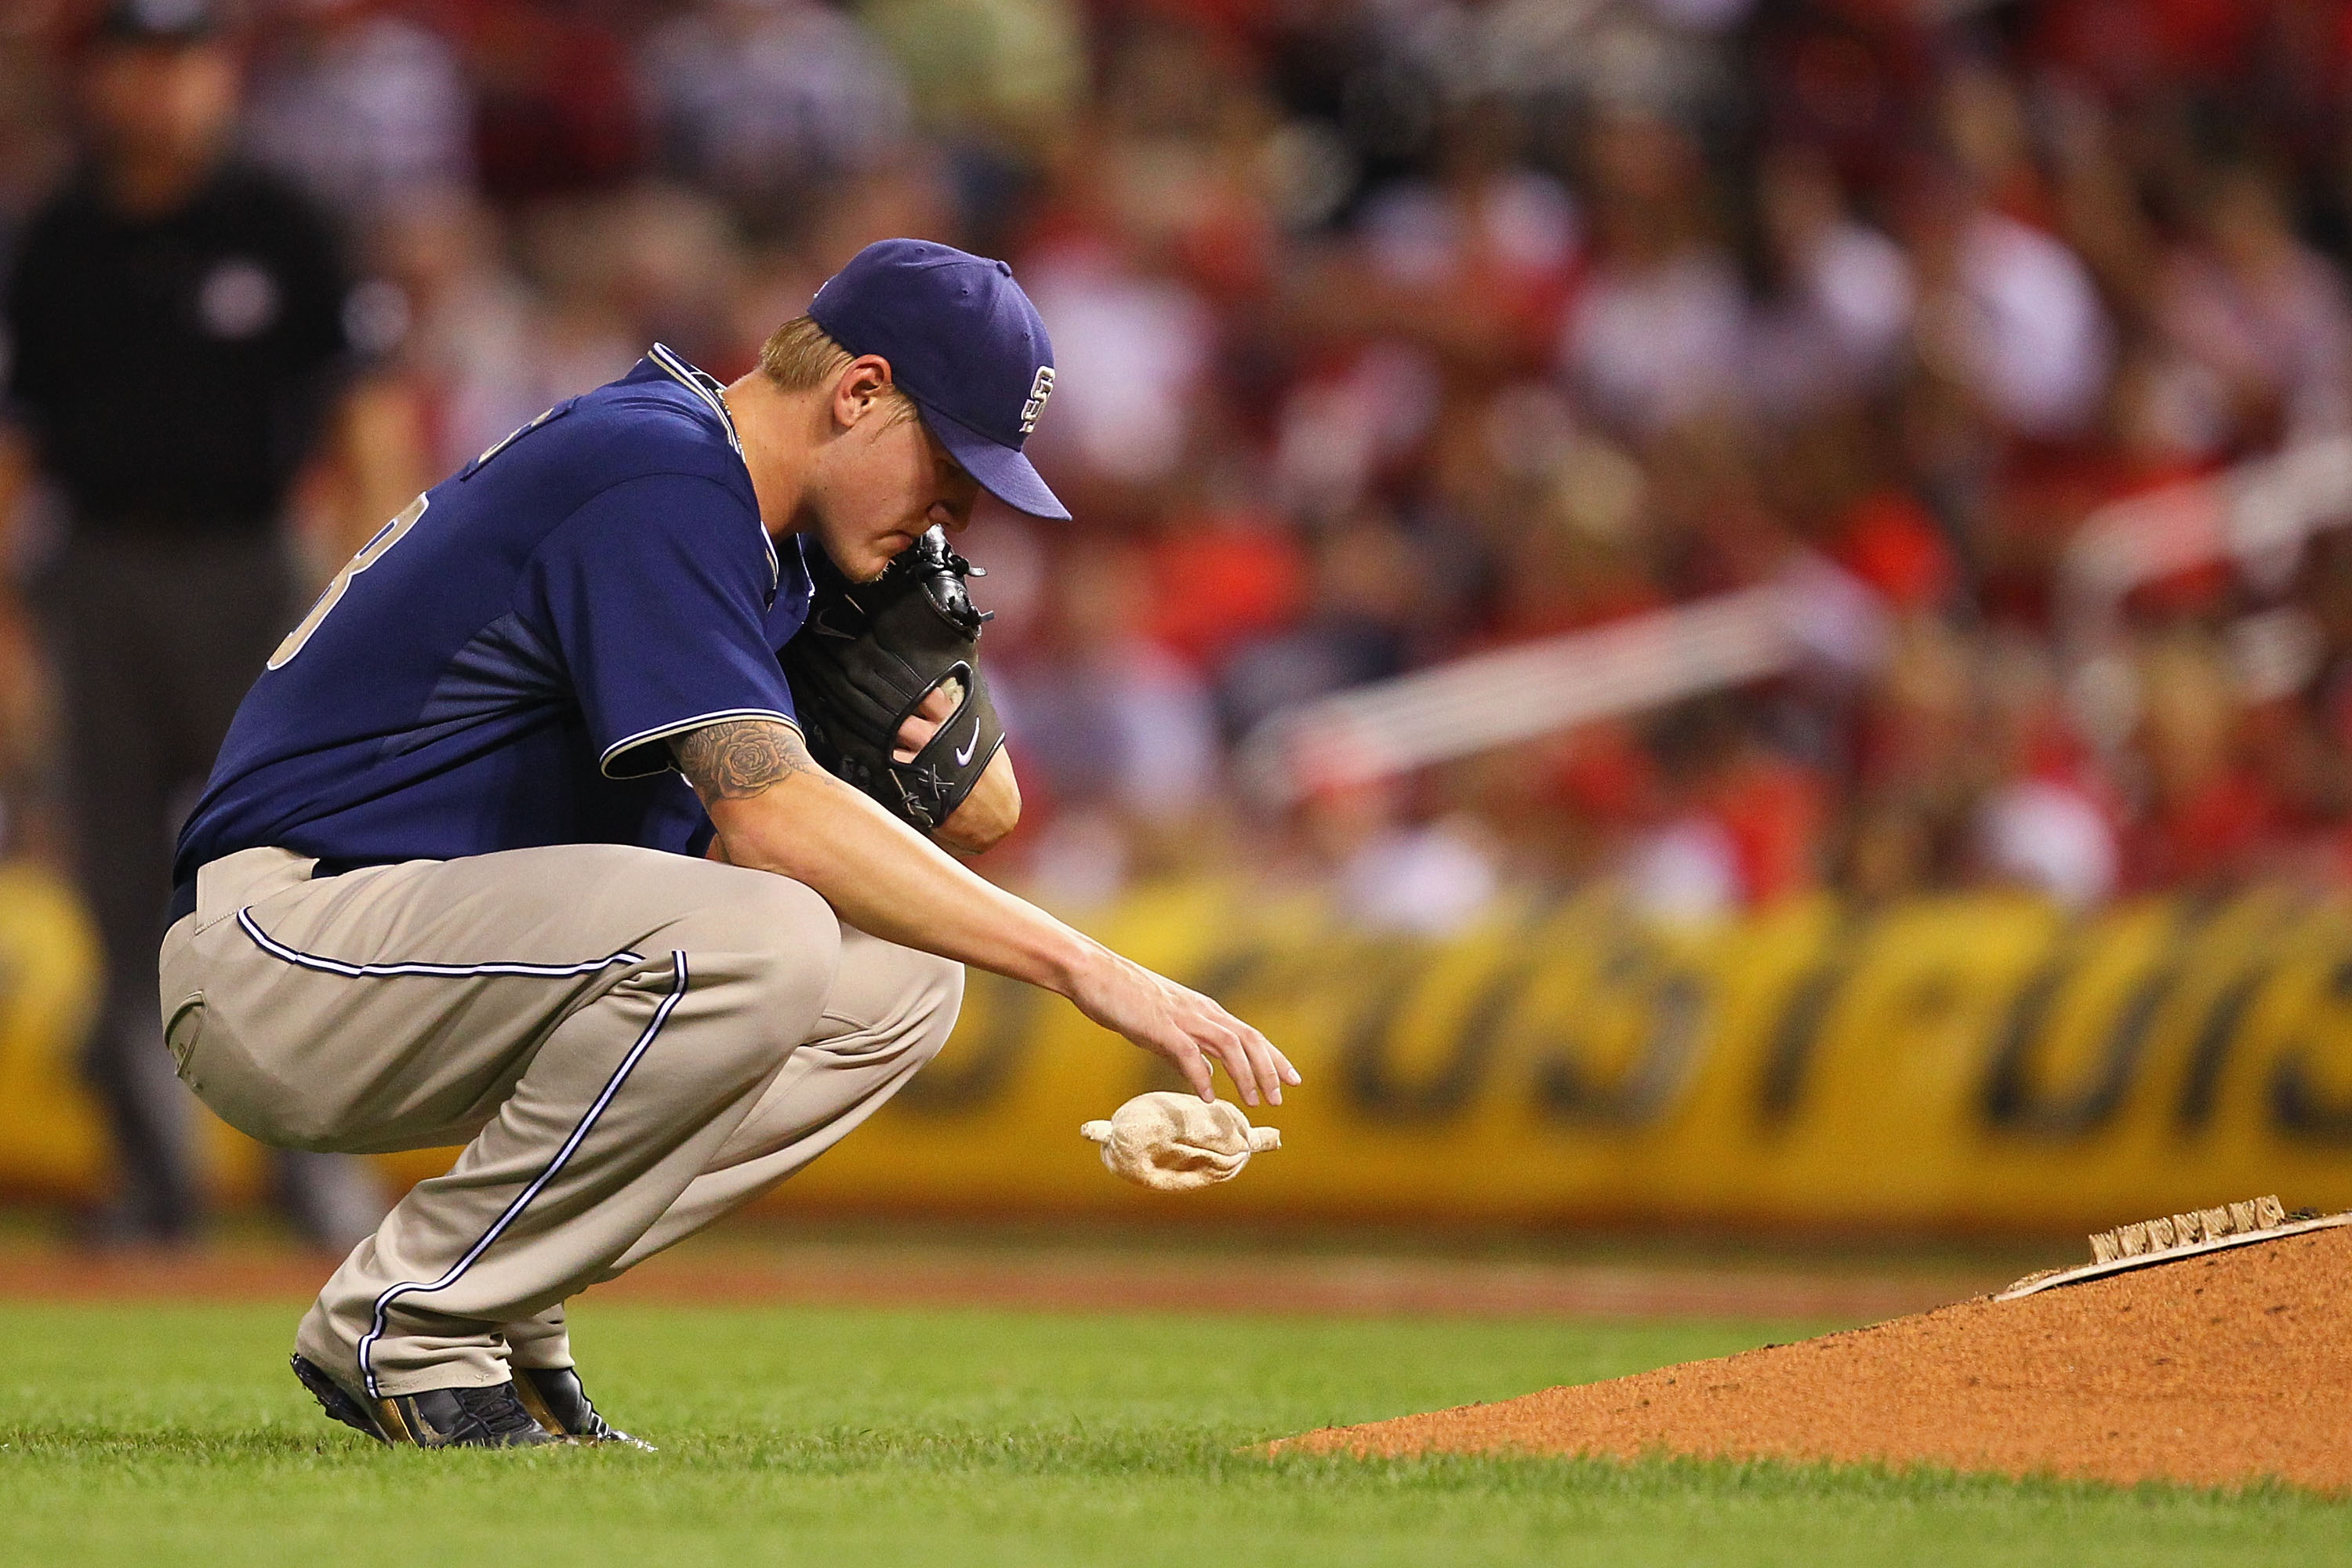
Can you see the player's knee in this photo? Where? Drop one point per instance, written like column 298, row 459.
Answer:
column 936, row 995
column 746, row 912
column 773, row 943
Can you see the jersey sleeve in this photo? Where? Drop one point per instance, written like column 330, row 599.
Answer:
column 655, row 593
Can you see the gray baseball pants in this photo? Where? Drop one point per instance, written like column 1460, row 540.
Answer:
column 629, row 1044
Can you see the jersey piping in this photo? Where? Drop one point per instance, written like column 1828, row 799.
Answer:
column 621, row 748
column 587, row 1123
column 301, row 959
column 705, row 385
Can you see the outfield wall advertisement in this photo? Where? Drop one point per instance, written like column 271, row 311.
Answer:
column 1976, row 1060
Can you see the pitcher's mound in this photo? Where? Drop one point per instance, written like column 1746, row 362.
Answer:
column 2215, row 1370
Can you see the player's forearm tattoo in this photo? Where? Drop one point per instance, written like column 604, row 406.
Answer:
column 739, row 760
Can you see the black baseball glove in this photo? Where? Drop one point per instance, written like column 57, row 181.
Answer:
column 867, row 656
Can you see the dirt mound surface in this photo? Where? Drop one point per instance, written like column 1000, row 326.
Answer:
column 2214, row 1371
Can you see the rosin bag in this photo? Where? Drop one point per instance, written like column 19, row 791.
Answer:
column 1175, row 1143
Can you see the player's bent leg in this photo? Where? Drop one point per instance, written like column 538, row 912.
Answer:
column 394, row 1007
column 617, row 1111
column 598, row 1019
column 890, row 1012
column 542, row 1339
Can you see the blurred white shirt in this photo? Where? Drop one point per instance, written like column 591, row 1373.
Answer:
column 1655, row 348
column 1687, row 871
column 2027, row 327
column 364, row 113
column 2050, row 837
column 756, row 98
column 1129, row 354
column 1428, row 881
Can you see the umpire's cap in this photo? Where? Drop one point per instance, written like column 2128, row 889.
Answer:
column 965, row 343
column 159, row 22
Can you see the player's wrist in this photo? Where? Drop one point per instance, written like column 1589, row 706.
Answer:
column 1078, row 966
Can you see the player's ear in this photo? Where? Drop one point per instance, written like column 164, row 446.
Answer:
column 861, row 389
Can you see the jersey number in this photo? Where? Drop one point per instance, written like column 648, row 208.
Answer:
column 390, row 534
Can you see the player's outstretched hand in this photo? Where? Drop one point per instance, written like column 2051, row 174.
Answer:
column 1181, row 1025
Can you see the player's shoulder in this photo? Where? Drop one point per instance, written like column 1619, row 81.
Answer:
column 663, row 417
column 647, row 432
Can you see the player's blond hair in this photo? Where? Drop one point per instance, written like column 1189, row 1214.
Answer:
column 801, row 356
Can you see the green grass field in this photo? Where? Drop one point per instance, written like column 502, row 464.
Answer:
column 153, row 1436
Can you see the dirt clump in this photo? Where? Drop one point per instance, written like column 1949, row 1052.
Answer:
column 2216, row 1370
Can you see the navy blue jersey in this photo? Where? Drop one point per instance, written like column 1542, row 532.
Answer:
column 503, row 664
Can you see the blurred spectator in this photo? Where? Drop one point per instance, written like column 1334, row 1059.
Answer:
column 1739, row 825
column 1130, row 350
column 1392, row 332
column 1351, row 422
column 1390, row 873
column 1117, row 736
column 1657, row 337
column 2047, row 836
column 1838, row 323
column 1369, row 594
column 2043, row 822
column 2208, row 817
column 758, row 100
column 2011, row 316
column 1008, row 74
column 1479, row 262
column 177, row 327
column 473, row 333
column 2263, row 314
column 555, row 102
column 360, row 105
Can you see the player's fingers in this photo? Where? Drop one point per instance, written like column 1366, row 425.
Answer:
column 1232, row 1050
column 937, row 707
column 1257, row 1068
column 913, row 736
column 938, row 704
column 1192, row 1065
column 1266, row 1062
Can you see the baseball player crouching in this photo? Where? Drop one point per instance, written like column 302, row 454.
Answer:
column 444, row 886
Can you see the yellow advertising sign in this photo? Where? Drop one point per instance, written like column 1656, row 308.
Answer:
column 1974, row 1060
column 50, row 1141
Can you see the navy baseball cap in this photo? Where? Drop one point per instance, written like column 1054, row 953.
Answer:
column 965, row 343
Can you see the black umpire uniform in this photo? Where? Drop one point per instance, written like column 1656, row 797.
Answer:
column 174, row 370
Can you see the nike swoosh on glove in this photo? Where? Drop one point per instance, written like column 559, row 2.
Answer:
column 867, row 656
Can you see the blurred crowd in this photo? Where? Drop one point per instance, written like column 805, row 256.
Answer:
column 1393, row 331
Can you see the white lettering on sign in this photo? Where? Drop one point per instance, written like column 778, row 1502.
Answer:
column 1039, row 390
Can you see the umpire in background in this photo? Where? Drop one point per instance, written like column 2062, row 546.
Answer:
column 177, row 349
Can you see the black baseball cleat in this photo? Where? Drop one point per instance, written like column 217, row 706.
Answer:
column 435, row 1418
column 553, row 1395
